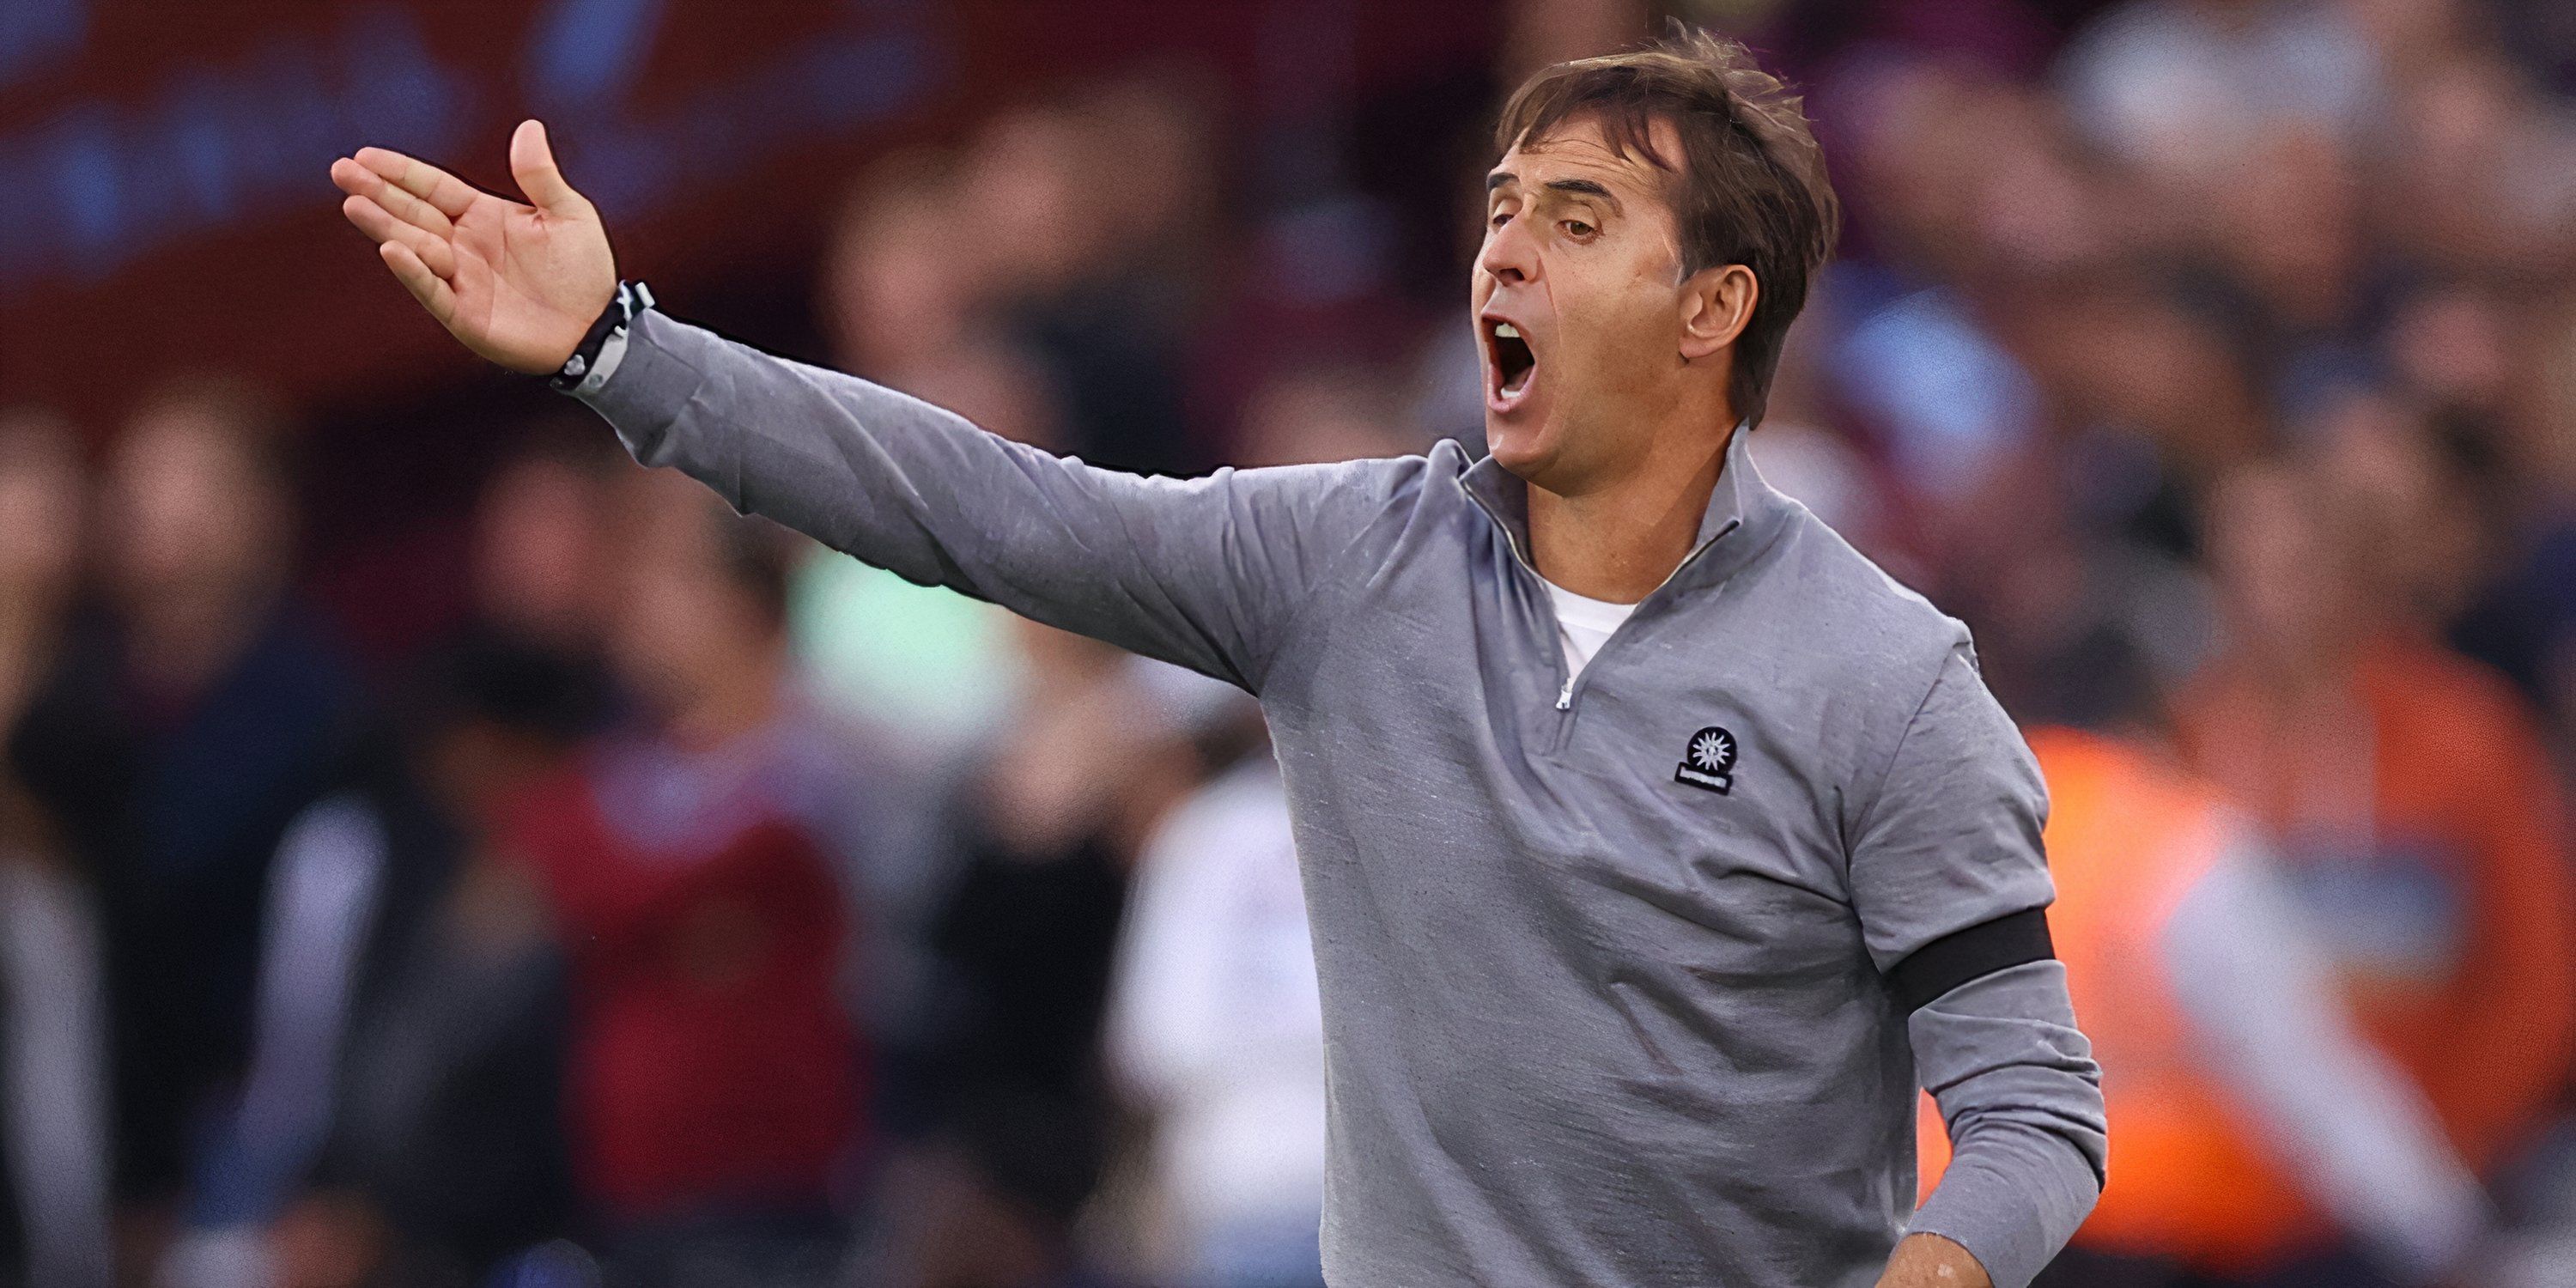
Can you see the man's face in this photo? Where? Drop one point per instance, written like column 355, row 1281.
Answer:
column 1578, row 299
column 193, row 513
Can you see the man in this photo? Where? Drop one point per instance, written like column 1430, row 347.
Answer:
column 1216, row 1031
column 54, row 1132
column 713, row 1081
column 2407, row 791
column 2247, row 1101
column 1654, row 841
column 176, row 737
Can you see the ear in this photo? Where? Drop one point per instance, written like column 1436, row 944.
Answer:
column 1716, row 304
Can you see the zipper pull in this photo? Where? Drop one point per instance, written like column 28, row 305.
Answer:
column 1565, row 696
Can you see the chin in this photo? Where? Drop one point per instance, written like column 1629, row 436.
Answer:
column 1514, row 450
column 1524, row 444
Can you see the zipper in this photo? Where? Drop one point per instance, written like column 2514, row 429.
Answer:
column 1565, row 691
column 1555, row 641
column 1565, row 697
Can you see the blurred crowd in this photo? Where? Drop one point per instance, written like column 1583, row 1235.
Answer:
column 696, row 908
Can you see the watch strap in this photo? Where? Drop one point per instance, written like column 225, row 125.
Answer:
column 603, row 347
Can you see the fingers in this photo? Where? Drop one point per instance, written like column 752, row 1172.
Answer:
column 434, row 251
column 434, row 295
column 532, row 163
column 359, row 181
column 449, row 194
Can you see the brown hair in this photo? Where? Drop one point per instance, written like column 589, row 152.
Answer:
column 1750, row 188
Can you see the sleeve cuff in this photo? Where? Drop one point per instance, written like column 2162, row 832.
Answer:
column 2012, row 1224
column 651, row 380
column 596, row 357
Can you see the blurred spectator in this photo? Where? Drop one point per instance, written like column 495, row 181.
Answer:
column 2420, row 528
column 45, row 494
column 1327, row 412
column 897, row 291
column 1093, row 276
column 2163, row 394
column 2410, row 799
column 446, row 1151
column 695, row 864
column 1017, row 236
column 2185, row 87
column 398, row 1118
column 178, row 734
column 54, row 1218
column 1217, row 1031
column 406, row 1128
column 2249, row 1103
column 1005, row 1101
column 540, row 564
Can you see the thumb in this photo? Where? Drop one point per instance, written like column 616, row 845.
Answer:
column 532, row 163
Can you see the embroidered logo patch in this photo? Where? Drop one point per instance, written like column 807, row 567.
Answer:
column 1709, row 761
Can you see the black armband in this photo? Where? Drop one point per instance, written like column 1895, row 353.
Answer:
column 604, row 346
column 2011, row 940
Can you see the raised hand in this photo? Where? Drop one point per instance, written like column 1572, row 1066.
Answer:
column 519, row 284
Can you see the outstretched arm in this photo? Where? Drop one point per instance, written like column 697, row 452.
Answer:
column 1213, row 573
column 1210, row 573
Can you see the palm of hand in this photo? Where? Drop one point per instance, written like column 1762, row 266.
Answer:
column 525, row 282
column 517, row 283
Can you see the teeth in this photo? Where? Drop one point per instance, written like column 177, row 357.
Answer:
column 1506, row 331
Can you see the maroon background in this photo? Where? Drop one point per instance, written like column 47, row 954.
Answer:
column 293, row 297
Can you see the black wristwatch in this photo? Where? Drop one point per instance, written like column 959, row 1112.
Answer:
column 605, row 345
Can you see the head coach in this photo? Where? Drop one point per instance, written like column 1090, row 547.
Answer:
column 1657, row 846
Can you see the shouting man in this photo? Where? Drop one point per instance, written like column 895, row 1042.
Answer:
column 1655, row 843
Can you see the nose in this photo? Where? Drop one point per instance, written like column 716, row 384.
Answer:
column 1510, row 255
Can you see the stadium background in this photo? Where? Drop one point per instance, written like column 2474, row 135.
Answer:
column 401, row 787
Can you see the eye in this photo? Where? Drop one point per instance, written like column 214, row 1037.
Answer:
column 1578, row 228
column 1498, row 219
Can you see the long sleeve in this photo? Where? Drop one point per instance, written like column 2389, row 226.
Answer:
column 1949, row 842
column 2263, row 1006
column 2017, row 1085
column 1212, row 573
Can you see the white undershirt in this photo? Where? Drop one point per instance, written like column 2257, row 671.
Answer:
column 1583, row 624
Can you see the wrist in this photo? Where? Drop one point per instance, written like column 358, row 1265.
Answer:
column 1926, row 1260
column 603, row 346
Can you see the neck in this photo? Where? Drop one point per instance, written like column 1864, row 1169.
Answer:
column 1619, row 538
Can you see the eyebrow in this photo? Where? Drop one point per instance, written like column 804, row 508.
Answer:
column 1579, row 187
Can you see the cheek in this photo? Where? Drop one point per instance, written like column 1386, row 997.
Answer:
column 1614, row 333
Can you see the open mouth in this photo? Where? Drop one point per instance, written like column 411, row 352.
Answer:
column 1513, row 362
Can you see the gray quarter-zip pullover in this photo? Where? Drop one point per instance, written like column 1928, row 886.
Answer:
column 1602, row 964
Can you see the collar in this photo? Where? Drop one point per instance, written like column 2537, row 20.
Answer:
column 1744, row 513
